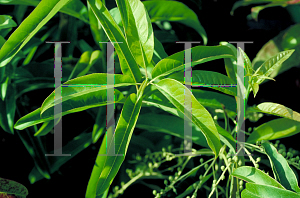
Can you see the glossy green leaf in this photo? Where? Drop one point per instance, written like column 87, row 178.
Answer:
column 82, row 63
column 78, row 98
column 230, row 63
column 269, row 191
column 175, row 92
column 6, row 22
column 159, row 51
column 278, row 110
column 12, row 187
column 4, row 85
column 138, row 30
column 175, row 11
column 75, row 146
column 208, row 78
column 157, row 123
column 247, row 62
column 281, row 169
column 106, row 167
column 285, row 40
column 29, row 27
column 254, row 175
column 275, row 129
column 200, row 54
column 74, row 8
column 127, row 62
column 247, row 194
column 271, row 64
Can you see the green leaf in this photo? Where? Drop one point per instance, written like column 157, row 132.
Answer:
column 100, row 125
column 106, row 167
column 247, row 194
column 12, row 187
column 268, row 191
column 278, row 110
column 157, row 123
column 175, row 11
column 281, row 169
column 74, row 8
column 230, row 63
column 78, row 98
column 287, row 39
column 29, row 27
column 175, row 92
column 275, row 129
column 138, row 30
column 200, row 54
column 73, row 147
column 254, row 175
column 6, row 22
column 128, row 64
column 208, row 78
column 271, row 64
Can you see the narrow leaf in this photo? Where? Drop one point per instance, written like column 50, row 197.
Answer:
column 281, row 169
column 269, row 191
column 128, row 64
column 275, row 129
column 200, row 54
column 107, row 166
column 29, row 27
column 138, row 30
column 175, row 92
column 254, row 175
column 278, row 110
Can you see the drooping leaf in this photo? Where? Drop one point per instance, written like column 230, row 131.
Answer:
column 29, row 27
column 230, row 64
column 275, row 129
column 175, row 92
column 281, row 169
column 175, row 11
column 200, row 54
column 77, row 97
column 127, row 62
column 208, row 78
column 138, row 30
column 254, row 175
column 107, row 166
column 12, row 187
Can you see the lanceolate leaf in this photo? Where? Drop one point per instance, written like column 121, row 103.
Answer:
column 29, row 27
column 271, row 64
column 106, row 167
column 76, row 99
column 254, row 175
column 282, row 171
column 174, row 11
column 208, row 78
column 74, row 8
column 200, row 54
column 127, row 62
column 138, row 30
column 278, row 110
column 74, row 92
column 275, row 129
column 175, row 92
column 258, row 190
